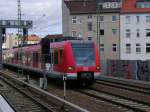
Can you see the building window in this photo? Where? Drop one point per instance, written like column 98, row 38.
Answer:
column 89, row 26
column 114, row 47
column 147, row 19
column 138, row 48
column 143, row 4
column 148, row 48
column 114, row 32
column 102, row 47
column 74, row 33
column 128, row 33
column 139, row 5
column 128, row 48
column 114, row 18
column 90, row 17
column 101, row 18
column 137, row 32
column 80, row 35
column 127, row 19
column 90, row 38
column 137, row 19
column 74, row 19
column 147, row 32
column 101, row 31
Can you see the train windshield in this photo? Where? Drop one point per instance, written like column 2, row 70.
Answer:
column 84, row 54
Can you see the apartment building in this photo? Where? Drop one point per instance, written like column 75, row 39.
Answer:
column 135, row 30
column 96, row 20
column 108, row 21
column 78, row 18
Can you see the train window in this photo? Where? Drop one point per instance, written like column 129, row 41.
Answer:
column 35, row 57
column 16, row 56
column 29, row 58
column 56, row 57
column 61, row 55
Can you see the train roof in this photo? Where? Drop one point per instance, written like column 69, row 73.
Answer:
column 62, row 43
column 33, row 47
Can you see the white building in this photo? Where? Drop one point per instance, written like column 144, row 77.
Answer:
column 12, row 40
column 135, row 30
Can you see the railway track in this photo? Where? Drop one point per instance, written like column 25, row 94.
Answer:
column 133, row 96
column 128, row 104
column 121, row 101
column 24, row 97
column 132, row 85
column 19, row 100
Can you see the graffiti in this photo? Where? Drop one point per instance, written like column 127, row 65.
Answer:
column 138, row 70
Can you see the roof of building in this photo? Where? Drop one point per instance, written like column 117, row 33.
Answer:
column 129, row 6
column 81, row 6
column 33, row 38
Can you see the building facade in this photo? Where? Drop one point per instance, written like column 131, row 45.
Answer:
column 78, row 18
column 108, row 13
column 135, row 30
column 12, row 40
column 97, row 20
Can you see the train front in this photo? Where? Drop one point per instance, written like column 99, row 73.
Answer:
column 85, row 66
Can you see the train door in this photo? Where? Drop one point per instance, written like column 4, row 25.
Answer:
column 27, row 55
column 56, row 67
column 23, row 58
column 51, row 59
column 16, row 58
column 40, row 61
column 29, row 59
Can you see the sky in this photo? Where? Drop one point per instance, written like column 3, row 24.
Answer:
column 45, row 14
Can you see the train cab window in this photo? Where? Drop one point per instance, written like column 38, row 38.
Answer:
column 56, row 57
column 84, row 54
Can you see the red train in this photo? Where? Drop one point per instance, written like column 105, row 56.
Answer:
column 78, row 59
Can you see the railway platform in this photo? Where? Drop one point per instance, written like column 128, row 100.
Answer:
column 4, row 105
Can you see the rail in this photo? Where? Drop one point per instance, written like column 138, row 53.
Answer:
column 59, row 100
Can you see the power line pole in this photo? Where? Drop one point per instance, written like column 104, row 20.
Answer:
column 20, row 40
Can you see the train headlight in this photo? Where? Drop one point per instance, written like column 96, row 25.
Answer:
column 98, row 68
column 70, row 68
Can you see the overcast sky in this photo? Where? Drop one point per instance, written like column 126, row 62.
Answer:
column 46, row 14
